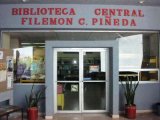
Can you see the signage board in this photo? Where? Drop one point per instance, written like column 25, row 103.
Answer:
column 78, row 16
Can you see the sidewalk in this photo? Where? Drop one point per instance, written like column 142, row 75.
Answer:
column 91, row 116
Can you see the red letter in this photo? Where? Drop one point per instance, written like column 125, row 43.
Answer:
column 134, row 13
column 26, row 11
column 72, row 12
column 105, row 12
column 57, row 11
column 133, row 23
column 36, row 22
column 116, row 22
column 97, row 11
column 14, row 11
column 64, row 11
column 94, row 21
column 23, row 20
column 126, row 12
column 81, row 21
column 43, row 11
column 44, row 21
column 140, row 13
column 61, row 21
column 124, row 22
column 119, row 12
column 51, row 11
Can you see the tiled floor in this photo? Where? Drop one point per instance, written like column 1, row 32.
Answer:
column 148, row 116
column 144, row 116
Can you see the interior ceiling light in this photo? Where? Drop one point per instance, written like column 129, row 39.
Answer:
column 141, row 1
column 25, row 0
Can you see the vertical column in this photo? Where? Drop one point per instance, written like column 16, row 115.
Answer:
column 115, row 82
column 49, row 80
column 0, row 39
column 5, row 40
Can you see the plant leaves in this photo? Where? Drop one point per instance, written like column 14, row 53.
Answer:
column 129, row 89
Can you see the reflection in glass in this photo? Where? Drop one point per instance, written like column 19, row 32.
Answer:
column 130, row 52
column 150, row 51
column 131, row 75
column 139, row 51
column 94, row 96
column 94, row 66
column 68, row 66
column 68, row 96
column 150, row 62
column 149, row 75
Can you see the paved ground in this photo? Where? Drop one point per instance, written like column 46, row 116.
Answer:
column 141, row 116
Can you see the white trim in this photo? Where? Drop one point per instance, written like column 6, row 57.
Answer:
column 143, row 82
column 29, row 83
column 138, row 70
column 142, row 70
column 139, row 111
column 67, row 111
column 67, row 81
column 95, row 81
column 107, row 79
column 115, row 116
column 94, row 111
column 147, row 82
column 81, row 84
column 82, row 111
column 144, row 111
column 48, row 117
column 135, row 31
column 55, row 80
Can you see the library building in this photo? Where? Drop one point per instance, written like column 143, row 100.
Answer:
column 79, row 57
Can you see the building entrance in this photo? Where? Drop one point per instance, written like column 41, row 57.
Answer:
column 81, row 79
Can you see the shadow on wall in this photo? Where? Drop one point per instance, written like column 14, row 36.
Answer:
column 121, row 98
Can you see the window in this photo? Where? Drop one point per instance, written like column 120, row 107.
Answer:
column 138, row 57
column 29, row 65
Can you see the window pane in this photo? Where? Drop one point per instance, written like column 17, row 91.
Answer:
column 130, row 52
column 94, row 66
column 150, row 51
column 94, row 96
column 29, row 65
column 68, row 96
column 139, row 51
column 149, row 75
column 68, row 66
column 131, row 75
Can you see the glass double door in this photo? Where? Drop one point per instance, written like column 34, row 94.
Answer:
column 81, row 79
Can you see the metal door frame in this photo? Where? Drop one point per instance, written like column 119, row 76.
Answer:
column 81, row 97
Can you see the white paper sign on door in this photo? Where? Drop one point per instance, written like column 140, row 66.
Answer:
column 1, row 54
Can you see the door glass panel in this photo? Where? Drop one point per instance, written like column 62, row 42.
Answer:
column 68, row 66
column 94, row 66
column 81, row 89
column 67, row 72
column 67, row 96
column 94, row 72
column 94, row 96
